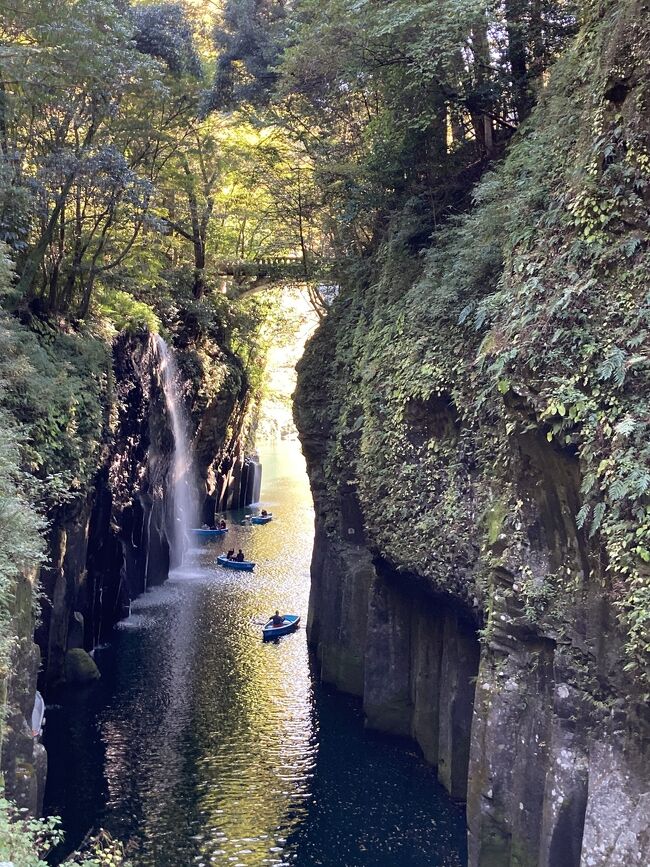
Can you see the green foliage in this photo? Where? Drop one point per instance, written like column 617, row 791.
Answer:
column 57, row 385
column 21, row 546
column 125, row 313
column 26, row 842
column 527, row 317
column 406, row 101
column 248, row 39
column 117, row 177
column 162, row 30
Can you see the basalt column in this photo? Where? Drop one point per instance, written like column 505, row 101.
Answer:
column 342, row 576
column 422, row 658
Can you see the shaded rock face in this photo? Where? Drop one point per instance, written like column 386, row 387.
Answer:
column 80, row 667
column 222, row 409
column 413, row 655
column 109, row 544
column 458, row 482
column 107, row 547
column 530, row 725
column 23, row 759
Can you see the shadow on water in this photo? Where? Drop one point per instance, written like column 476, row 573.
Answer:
column 202, row 745
column 374, row 802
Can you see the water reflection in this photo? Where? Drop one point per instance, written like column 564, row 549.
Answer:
column 218, row 749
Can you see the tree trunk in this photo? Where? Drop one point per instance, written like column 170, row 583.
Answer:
column 538, row 47
column 517, row 56
column 198, row 241
column 35, row 257
column 199, row 268
column 4, row 143
column 481, row 120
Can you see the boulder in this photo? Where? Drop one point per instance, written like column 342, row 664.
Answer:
column 80, row 668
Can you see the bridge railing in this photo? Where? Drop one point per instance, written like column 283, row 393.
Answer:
column 275, row 267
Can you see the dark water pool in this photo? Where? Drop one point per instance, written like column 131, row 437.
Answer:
column 202, row 745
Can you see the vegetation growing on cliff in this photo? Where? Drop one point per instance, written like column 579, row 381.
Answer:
column 480, row 175
column 526, row 316
column 27, row 842
column 20, row 540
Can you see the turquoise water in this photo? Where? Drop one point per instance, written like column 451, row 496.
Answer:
column 202, row 745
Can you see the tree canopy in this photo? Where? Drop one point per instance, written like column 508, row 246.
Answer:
column 184, row 134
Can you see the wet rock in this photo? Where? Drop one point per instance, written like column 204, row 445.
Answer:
column 76, row 630
column 387, row 695
column 341, row 580
column 80, row 667
column 617, row 820
column 459, row 667
column 21, row 756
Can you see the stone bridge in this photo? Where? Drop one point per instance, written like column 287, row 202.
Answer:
column 272, row 269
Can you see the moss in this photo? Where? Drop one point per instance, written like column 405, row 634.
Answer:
column 494, row 520
column 521, row 855
column 80, row 668
column 529, row 315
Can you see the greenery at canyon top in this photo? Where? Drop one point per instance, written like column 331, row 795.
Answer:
column 479, row 176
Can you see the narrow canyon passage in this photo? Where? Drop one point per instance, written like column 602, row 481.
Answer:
column 419, row 245
column 202, row 745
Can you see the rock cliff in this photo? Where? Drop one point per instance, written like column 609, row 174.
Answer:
column 475, row 426
column 108, row 540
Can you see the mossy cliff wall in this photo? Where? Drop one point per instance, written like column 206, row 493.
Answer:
column 475, row 423
column 23, row 760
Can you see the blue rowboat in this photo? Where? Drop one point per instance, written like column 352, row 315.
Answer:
column 242, row 565
column 205, row 531
column 261, row 519
column 291, row 622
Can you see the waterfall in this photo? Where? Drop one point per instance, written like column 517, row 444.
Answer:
column 254, row 483
column 183, row 484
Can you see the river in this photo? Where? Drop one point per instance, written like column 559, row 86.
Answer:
column 202, row 745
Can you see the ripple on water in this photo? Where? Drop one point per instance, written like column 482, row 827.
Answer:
column 218, row 748
column 135, row 621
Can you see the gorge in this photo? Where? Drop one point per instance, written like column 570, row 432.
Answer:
column 461, row 191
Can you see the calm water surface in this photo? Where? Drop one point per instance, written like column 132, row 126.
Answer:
column 202, row 745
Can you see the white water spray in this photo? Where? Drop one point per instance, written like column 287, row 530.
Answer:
column 182, row 471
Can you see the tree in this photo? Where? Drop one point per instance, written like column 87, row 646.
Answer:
column 249, row 44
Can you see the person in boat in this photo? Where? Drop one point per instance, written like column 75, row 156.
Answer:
column 240, row 556
column 264, row 513
column 222, row 525
column 231, row 554
column 277, row 619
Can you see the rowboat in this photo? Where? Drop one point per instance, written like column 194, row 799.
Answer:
column 261, row 519
column 242, row 565
column 290, row 623
column 206, row 531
